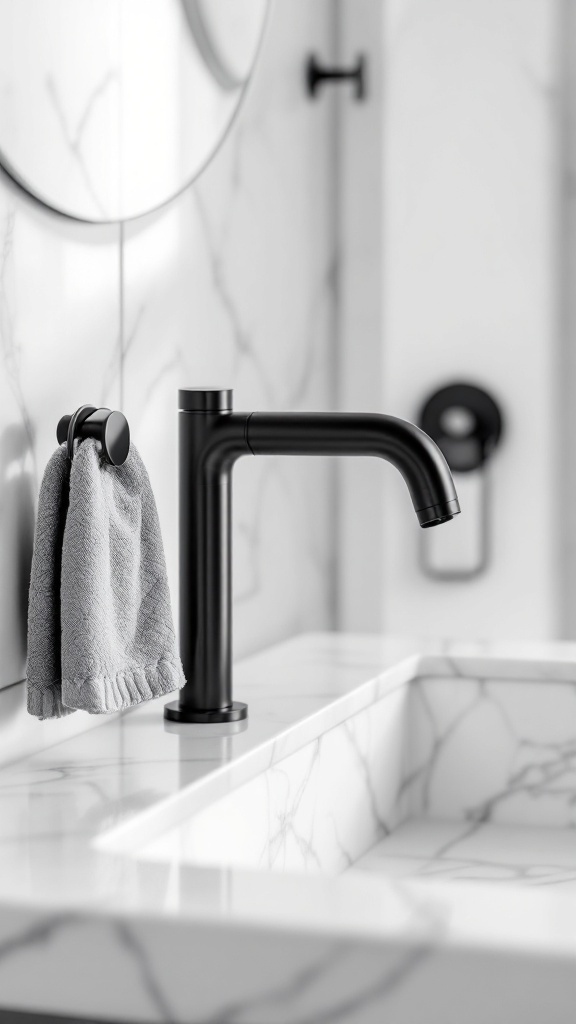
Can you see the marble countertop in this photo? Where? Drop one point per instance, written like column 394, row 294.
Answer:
column 88, row 928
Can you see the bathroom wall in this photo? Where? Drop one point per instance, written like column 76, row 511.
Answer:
column 231, row 284
column 460, row 234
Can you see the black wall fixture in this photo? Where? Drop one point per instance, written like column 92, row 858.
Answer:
column 467, row 424
column 317, row 75
column 106, row 426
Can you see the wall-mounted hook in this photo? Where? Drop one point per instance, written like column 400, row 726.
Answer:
column 108, row 427
column 316, row 74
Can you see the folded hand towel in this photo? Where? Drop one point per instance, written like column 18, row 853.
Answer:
column 100, row 631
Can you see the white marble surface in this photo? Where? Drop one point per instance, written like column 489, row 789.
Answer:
column 442, row 850
column 492, row 750
column 177, row 942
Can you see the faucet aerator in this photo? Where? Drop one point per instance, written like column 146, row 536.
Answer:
column 434, row 515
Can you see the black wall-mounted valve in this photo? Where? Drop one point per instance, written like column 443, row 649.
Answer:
column 466, row 424
column 316, row 75
column 106, row 426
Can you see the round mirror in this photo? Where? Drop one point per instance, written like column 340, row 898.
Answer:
column 109, row 108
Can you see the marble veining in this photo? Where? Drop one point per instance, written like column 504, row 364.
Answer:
column 450, row 850
column 493, row 751
column 316, row 810
column 72, row 134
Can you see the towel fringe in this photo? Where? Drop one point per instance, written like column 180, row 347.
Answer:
column 47, row 702
column 102, row 695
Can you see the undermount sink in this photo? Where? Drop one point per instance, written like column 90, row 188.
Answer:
column 395, row 829
column 441, row 777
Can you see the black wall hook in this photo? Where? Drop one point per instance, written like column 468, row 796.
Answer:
column 316, row 74
column 108, row 427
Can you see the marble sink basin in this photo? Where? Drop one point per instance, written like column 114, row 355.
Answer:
column 440, row 777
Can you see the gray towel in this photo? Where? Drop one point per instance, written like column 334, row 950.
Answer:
column 100, row 631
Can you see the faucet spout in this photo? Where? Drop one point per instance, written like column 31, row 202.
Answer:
column 409, row 449
column 212, row 438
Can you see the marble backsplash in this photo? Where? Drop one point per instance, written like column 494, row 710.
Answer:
column 232, row 283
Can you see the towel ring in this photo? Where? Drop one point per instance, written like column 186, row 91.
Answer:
column 106, row 426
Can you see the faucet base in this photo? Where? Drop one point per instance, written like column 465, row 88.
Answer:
column 176, row 712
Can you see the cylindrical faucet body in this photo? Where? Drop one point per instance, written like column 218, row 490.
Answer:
column 211, row 438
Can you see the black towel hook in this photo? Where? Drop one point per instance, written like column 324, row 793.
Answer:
column 316, row 74
column 106, row 426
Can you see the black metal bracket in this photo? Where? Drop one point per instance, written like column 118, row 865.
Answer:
column 316, row 74
column 109, row 428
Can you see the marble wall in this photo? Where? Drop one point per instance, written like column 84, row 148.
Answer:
column 231, row 284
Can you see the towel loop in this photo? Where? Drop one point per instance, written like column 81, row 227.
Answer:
column 76, row 420
column 108, row 427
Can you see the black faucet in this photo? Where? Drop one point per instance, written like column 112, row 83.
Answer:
column 211, row 438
